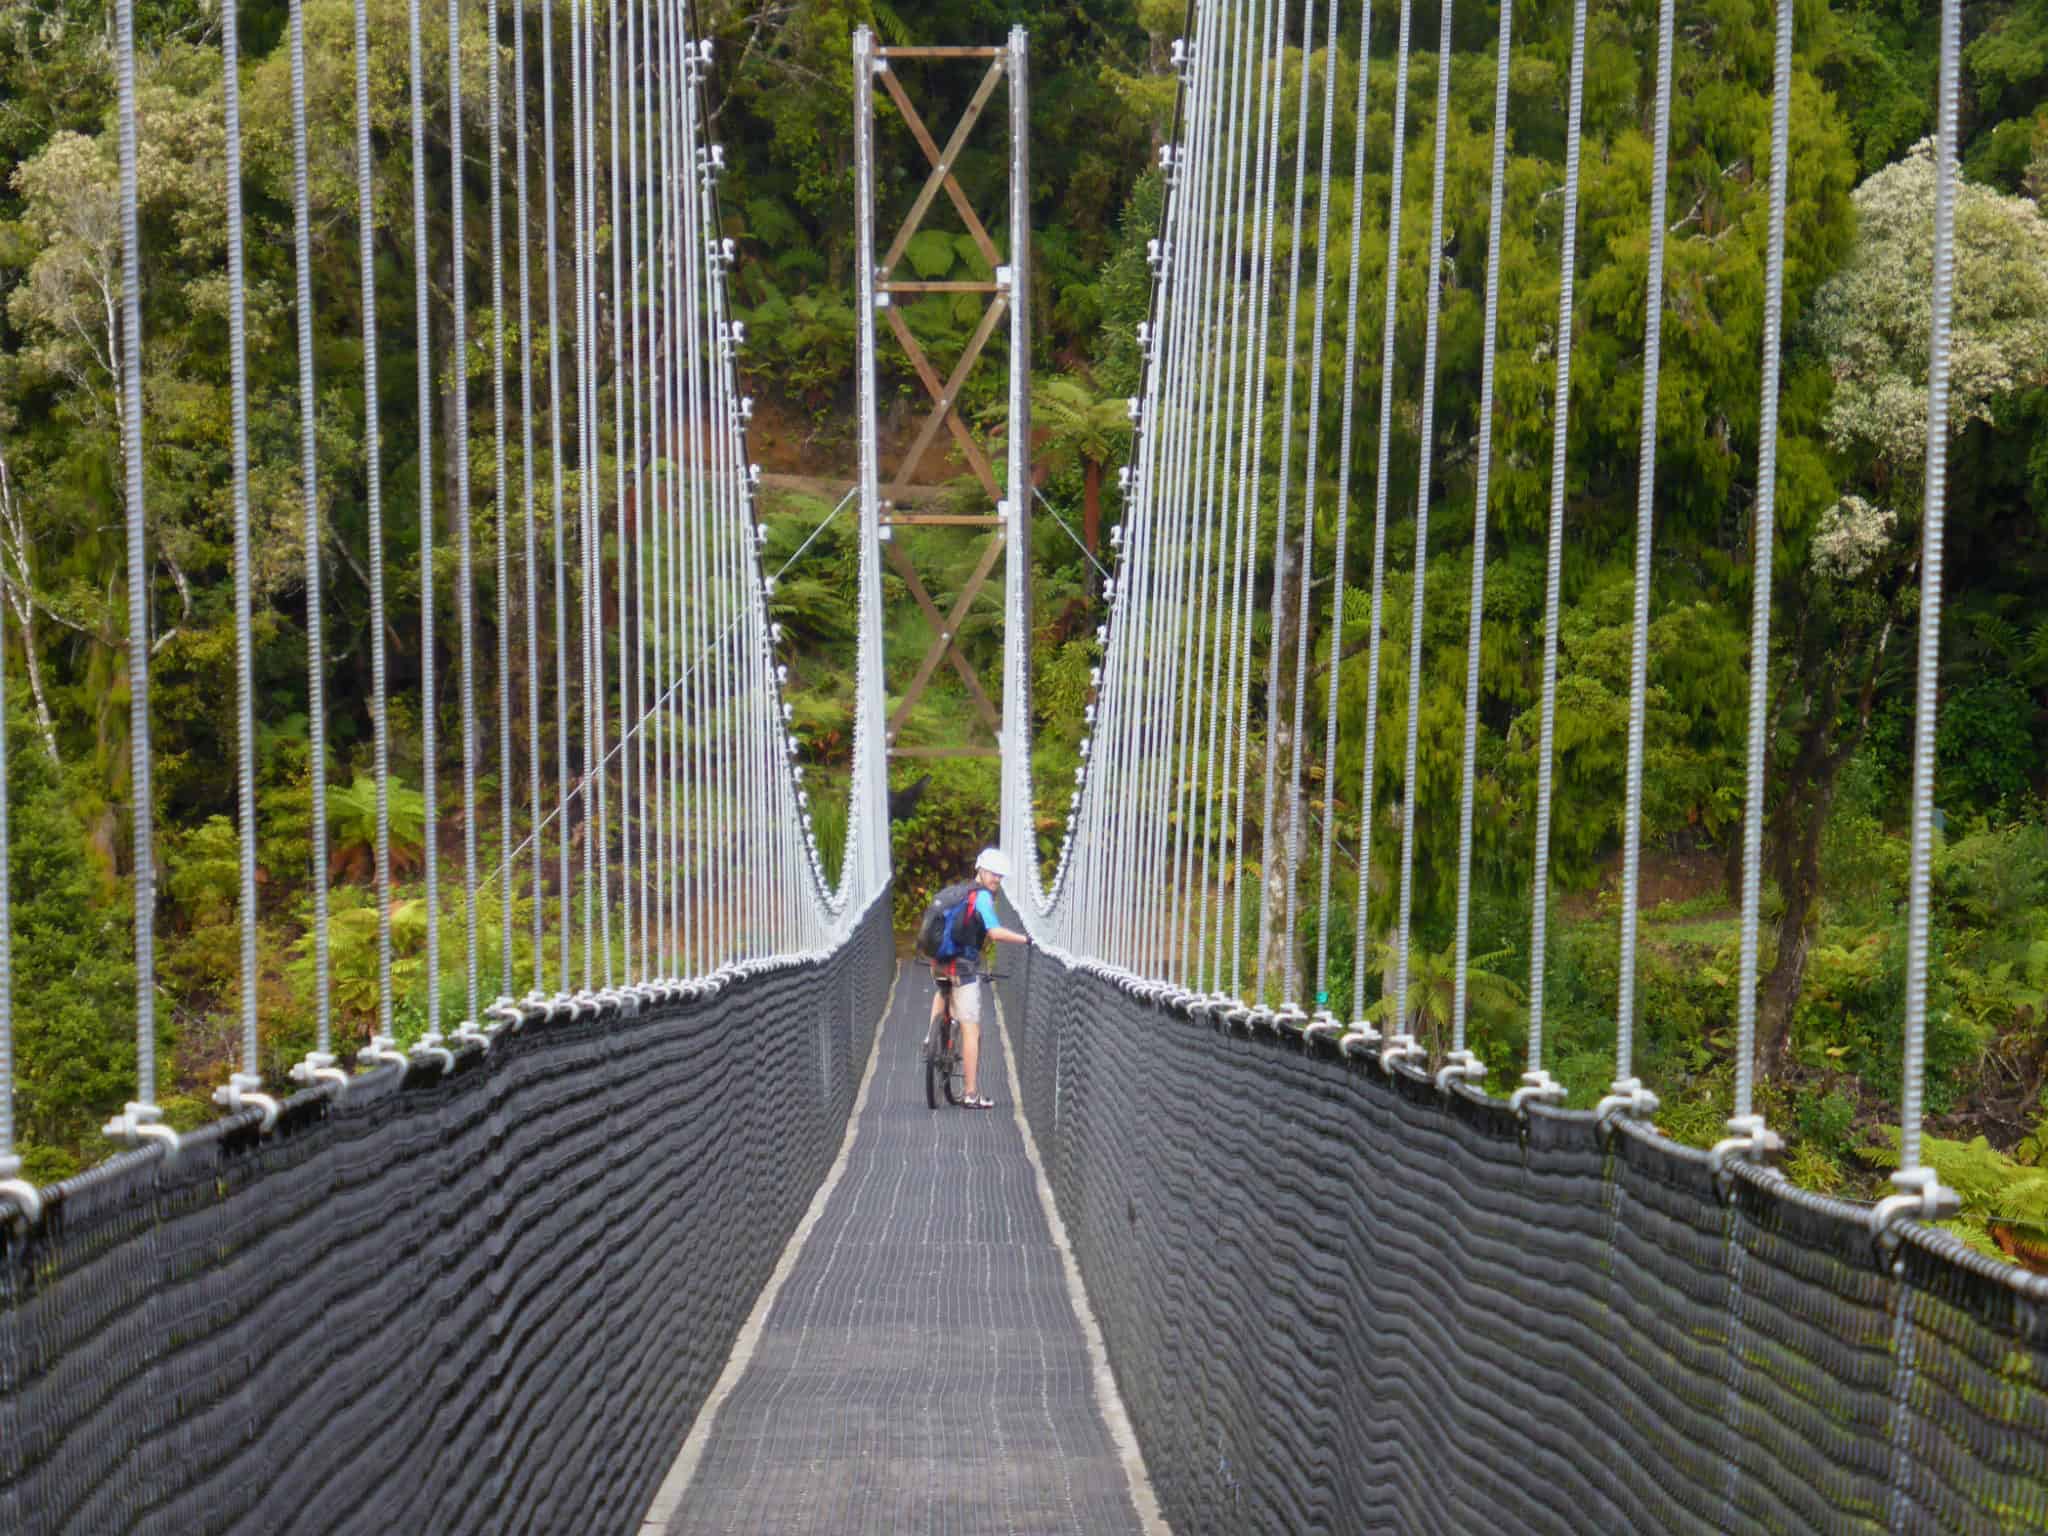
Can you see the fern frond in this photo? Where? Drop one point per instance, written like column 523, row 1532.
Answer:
column 890, row 25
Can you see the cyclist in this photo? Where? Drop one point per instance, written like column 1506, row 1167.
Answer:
column 958, row 964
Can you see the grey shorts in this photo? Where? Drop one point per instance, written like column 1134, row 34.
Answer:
column 967, row 1002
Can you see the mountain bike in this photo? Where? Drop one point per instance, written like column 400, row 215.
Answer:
column 944, row 1072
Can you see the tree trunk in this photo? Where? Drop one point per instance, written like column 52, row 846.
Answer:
column 1799, row 886
column 1793, row 839
column 1273, row 962
column 44, row 726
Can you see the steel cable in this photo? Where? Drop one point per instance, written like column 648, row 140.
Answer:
column 245, row 664
column 1179, row 406
column 1291, row 992
column 1222, row 417
column 465, row 574
column 1340, row 560
column 1370, row 774
column 1559, row 431
column 1433, row 307
column 1646, row 496
column 563, row 903
column 644, row 540
column 593, row 481
column 622, row 298
column 498, row 508
column 1763, row 539
column 585, row 565
column 373, row 478
column 1927, row 672
column 1476, row 618
column 1276, row 643
column 430, row 834
column 141, row 790
column 316, row 670
column 533, row 717
column 1230, row 533
column 1270, row 155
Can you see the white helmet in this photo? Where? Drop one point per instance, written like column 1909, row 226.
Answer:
column 992, row 860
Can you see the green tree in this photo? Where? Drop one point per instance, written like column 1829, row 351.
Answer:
column 1857, row 580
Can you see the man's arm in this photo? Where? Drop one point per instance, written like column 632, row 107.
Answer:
column 995, row 930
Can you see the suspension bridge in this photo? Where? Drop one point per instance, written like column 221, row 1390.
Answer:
column 645, row 1228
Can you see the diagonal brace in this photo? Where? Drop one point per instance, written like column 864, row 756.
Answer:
column 945, row 398
column 930, row 663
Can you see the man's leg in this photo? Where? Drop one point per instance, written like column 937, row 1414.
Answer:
column 967, row 1010
column 931, row 1031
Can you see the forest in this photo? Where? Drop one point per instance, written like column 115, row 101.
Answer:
column 1846, row 563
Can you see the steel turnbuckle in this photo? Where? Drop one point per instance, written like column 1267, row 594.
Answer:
column 24, row 1194
column 244, row 1090
column 1538, row 1087
column 320, row 1067
column 140, row 1123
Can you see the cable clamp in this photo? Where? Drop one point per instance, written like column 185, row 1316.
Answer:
column 1360, row 1039
column 244, row 1090
column 381, row 1048
column 1628, row 1097
column 430, row 1045
column 1461, row 1067
column 1922, row 1197
column 1749, row 1139
column 1289, row 1019
column 1538, row 1087
column 142, row 1122
column 1259, row 1019
column 19, row 1190
column 320, row 1067
column 1399, row 1046
column 1323, row 1025
column 504, row 1014
column 467, row 1034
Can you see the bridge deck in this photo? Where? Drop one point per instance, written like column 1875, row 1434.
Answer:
column 922, row 1367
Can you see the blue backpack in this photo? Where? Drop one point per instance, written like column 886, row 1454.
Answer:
column 949, row 921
